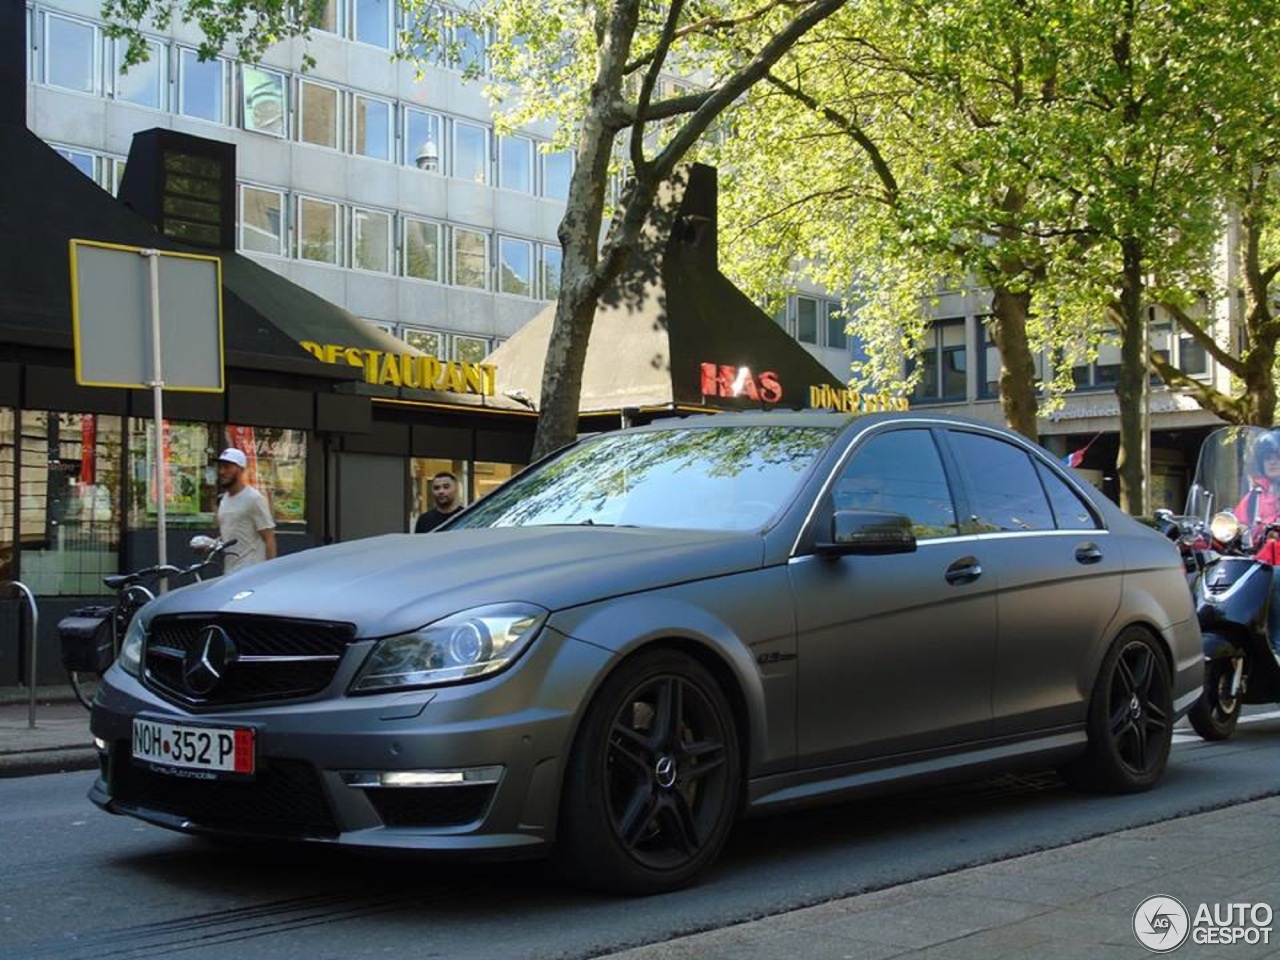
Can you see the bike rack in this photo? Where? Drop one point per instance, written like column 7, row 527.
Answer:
column 35, row 633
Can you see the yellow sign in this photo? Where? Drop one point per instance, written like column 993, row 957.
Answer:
column 826, row 397
column 411, row 370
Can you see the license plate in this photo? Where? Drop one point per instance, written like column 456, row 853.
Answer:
column 213, row 749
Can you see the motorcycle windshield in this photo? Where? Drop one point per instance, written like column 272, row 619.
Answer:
column 1227, row 470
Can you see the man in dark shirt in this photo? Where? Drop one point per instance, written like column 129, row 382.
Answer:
column 444, row 493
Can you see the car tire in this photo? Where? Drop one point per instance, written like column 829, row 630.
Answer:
column 1130, row 719
column 1214, row 715
column 654, row 778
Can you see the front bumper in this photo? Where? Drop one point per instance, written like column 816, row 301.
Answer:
column 320, row 764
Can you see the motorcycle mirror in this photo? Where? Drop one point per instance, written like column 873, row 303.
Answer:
column 202, row 543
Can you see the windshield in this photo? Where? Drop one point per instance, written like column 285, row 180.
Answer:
column 708, row 478
column 1238, row 470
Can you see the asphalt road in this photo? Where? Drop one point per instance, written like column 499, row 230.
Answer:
column 77, row 883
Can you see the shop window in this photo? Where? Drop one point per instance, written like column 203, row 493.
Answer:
column 552, row 259
column 7, row 478
column 470, row 152
column 264, row 107
column 470, row 258
column 202, row 87
column 69, row 480
column 422, row 249
column 372, row 130
column 470, row 349
column 373, row 22
column 557, row 170
column 261, row 220
column 428, row 341
column 144, row 83
column 421, row 472
column 487, row 477
column 371, row 240
column 277, row 468
column 318, row 238
column 71, row 55
column 318, row 108
column 515, row 266
column 422, row 140
column 515, row 164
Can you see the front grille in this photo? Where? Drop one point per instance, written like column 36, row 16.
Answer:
column 286, row 798
column 430, row 806
column 273, row 658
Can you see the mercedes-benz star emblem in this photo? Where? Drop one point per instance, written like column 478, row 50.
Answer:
column 208, row 660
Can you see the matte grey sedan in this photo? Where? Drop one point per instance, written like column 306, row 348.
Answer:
column 653, row 633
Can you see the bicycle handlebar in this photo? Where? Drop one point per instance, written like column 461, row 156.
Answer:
column 121, row 581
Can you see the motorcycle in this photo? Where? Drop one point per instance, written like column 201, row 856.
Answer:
column 1229, row 536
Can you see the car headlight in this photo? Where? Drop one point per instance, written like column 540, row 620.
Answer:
column 470, row 644
column 130, row 656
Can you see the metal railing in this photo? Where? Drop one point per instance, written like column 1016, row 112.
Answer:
column 35, row 633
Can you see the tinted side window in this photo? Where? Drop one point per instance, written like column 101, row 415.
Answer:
column 1071, row 512
column 900, row 472
column 1003, row 485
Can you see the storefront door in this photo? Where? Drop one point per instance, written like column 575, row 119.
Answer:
column 371, row 495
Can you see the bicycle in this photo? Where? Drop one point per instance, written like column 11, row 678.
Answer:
column 91, row 636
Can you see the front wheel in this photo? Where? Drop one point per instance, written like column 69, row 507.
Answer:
column 653, row 780
column 1130, row 720
column 1215, row 714
column 84, row 684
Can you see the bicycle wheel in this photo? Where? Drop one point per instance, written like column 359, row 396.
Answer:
column 84, row 684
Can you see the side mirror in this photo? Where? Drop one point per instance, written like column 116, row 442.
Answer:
column 867, row 533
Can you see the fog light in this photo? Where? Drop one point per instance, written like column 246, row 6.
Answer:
column 100, row 744
column 466, row 777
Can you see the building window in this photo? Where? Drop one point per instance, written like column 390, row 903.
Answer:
column 421, row 249
column 470, row 152
column 371, row 240
column 515, row 266
column 470, row 258
column 330, row 20
column 318, row 237
column 262, row 220
column 515, row 164
column 373, row 22
column 145, row 83
column 943, row 363
column 318, row 107
column 202, row 87
column 469, row 48
column 428, row 341
column 263, row 100
column 552, row 259
column 71, row 55
column 807, row 320
column 557, row 170
column 422, row 140
column 1193, row 360
column 85, row 162
column 836, row 321
column 371, row 132
column 469, row 349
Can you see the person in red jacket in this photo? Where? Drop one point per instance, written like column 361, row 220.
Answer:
column 1260, row 506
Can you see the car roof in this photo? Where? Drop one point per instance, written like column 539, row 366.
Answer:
column 807, row 418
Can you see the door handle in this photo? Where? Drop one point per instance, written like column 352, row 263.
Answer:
column 1088, row 553
column 964, row 570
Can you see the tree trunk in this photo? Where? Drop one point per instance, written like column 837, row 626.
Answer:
column 1132, row 385
column 1009, row 312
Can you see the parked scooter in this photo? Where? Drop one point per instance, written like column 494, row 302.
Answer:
column 1230, row 539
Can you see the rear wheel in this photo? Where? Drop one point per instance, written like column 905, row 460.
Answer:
column 652, row 786
column 1130, row 720
column 84, row 684
column 1216, row 713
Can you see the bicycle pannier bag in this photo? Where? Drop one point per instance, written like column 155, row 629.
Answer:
column 85, row 638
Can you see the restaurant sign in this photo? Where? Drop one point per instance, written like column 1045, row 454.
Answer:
column 826, row 397
column 410, row 369
column 723, row 380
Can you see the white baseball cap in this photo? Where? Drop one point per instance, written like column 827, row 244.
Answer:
column 232, row 455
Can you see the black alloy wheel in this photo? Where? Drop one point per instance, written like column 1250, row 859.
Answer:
column 1130, row 721
column 1217, row 712
column 654, row 779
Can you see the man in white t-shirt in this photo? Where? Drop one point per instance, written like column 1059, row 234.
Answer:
column 243, row 515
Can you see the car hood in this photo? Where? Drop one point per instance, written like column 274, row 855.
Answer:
column 399, row 582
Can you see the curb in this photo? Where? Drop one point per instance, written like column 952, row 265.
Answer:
column 54, row 760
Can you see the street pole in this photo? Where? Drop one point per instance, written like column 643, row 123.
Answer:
column 157, row 395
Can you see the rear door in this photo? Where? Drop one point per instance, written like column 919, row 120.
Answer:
column 1060, row 578
column 895, row 652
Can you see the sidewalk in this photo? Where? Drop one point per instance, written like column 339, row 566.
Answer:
column 59, row 741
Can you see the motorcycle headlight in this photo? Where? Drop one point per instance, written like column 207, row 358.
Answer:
column 470, row 644
column 1224, row 526
column 130, row 656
